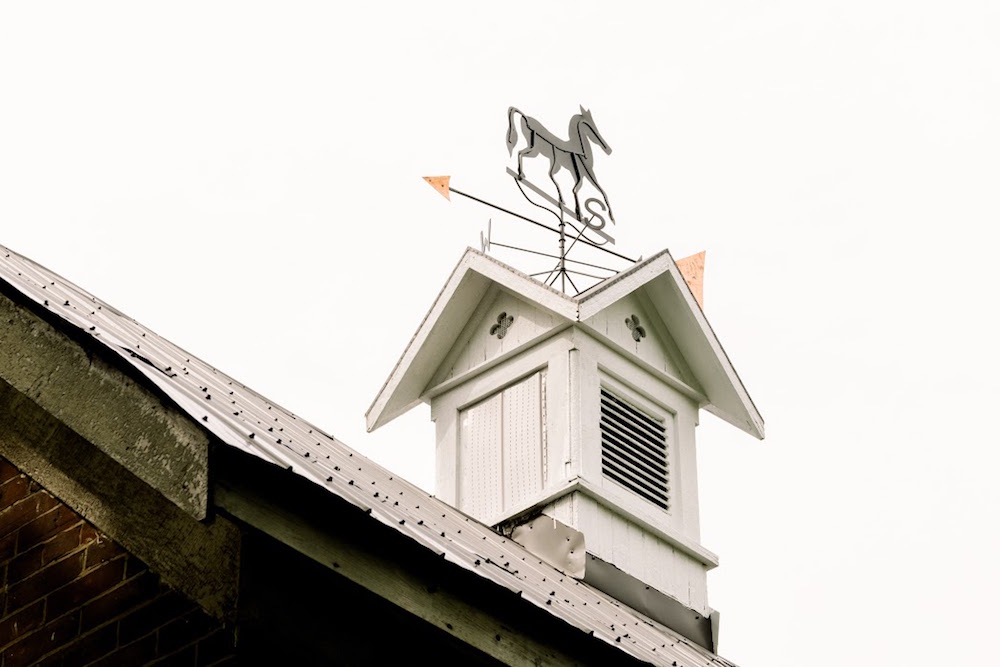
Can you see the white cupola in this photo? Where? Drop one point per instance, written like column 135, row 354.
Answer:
column 580, row 410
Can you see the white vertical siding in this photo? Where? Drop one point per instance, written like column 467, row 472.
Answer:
column 642, row 554
column 446, row 481
column 655, row 348
column 476, row 345
column 563, row 509
column 502, row 449
column 522, row 441
column 480, row 458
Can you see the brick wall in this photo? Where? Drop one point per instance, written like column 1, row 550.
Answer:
column 71, row 596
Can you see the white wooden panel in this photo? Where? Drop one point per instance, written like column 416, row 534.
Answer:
column 502, row 449
column 522, row 441
column 480, row 459
column 564, row 510
column 550, row 356
column 645, row 556
column 642, row 556
column 445, row 458
column 685, row 473
column 651, row 348
column 589, row 407
column 690, row 571
column 621, row 549
column 476, row 345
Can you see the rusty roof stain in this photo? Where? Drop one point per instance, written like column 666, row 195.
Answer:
column 248, row 421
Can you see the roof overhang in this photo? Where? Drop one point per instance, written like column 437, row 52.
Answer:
column 658, row 276
column 455, row 304
column 664, row 285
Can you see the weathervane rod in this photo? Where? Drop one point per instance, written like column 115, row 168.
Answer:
column 560, row 269
column 564, row 210
column 562, row 251
column 534, row 222
column 565, row 278
column 581, row 273
column 548, row 254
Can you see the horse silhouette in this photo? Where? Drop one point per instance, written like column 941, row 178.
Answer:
column 573, row 154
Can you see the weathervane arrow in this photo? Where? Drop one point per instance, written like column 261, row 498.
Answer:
column 693, row 271
column 441, row 184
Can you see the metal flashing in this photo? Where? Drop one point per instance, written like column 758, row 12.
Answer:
column 642, row 597
column 561, row 546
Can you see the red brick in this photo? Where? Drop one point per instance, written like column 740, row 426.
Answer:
column 185, row 630
column 7, row 470
column 43, row 640
column 215, row 647
column 19, row 624
column 230, row 661
column 139, row 652
column 8, row 545
column 45, row 581
column 45, row 526
column 13, row 490
column 160, row 611
column 87, row 587
column 120, row 600
column 26, row 564
column 184, row 658
column 23, row 511
column 134, row 567
column 101, row 550
column 84, row 650
column 43, row 554
column 89, row 534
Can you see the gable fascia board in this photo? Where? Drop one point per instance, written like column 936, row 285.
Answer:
column 604, row 294
column 522, row 285
column 729, row 399
column 443, row 324
column 667, row 290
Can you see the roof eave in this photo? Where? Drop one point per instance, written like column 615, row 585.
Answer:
column 447, row 317
column 672, row 296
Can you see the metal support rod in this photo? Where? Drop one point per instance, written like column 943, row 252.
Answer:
column 581, row 273
column 538, row 224
column 566, row 274
column 562, row 252
column 546, row 254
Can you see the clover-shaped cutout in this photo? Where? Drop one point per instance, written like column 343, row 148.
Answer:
column 638, row 332
column 503, row 323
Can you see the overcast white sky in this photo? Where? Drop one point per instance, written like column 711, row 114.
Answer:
column 244, row 178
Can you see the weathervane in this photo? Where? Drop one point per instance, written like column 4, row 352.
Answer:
column 575, row 155
column 568, row 168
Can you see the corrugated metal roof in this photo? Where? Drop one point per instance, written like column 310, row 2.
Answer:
column 244, row 419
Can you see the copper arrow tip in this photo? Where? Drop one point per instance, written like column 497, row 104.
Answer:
column 440, row 183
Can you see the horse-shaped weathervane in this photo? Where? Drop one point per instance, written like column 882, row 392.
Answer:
column 574, row 154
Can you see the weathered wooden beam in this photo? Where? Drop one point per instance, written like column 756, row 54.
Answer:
column 199, row 558
column 74, row 419
column 81, row 383
column 354, row 545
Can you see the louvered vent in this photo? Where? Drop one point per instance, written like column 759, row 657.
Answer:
column 634, row 449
